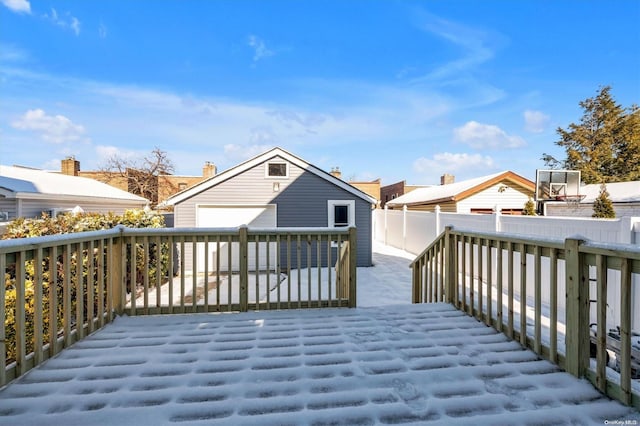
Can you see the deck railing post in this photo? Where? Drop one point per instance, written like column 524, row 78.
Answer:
column 577, row 305
column 116, row 273
column 244, row 268
column 352, row 266
column 416, row 281
column 449, row 264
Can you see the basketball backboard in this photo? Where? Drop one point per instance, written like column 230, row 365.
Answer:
column 557, row 185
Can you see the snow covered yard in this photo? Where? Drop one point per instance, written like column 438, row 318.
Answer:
column 385, row 362
column 387, row 282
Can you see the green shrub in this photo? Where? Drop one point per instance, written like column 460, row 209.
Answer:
column 65, row 224
column 602, row 206
column 529, row 208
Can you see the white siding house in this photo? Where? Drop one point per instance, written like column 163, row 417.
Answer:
column 505, row 190
column 26, row 192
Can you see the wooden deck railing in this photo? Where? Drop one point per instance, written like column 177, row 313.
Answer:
column 550, row 295
column 59, row 289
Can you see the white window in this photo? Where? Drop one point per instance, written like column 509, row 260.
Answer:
column 277, row 170
column 341, row 213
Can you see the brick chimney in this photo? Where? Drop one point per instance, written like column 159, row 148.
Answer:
column 446, row 179
column 209, row 170
column 335, row 171
column 70, row 166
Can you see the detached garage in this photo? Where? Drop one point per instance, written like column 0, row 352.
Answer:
column 226, row 216
column 275, row 189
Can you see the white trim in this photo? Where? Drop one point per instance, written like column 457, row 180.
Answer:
column 78, row 198
column 255, row 161
column 266, row 169
column 331, row 204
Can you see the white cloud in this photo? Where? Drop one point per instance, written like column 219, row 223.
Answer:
column 56, row 129
column 260, row 49
column 482, row 136
column 471, row 41
column 237, row 152
column 262, row 135
column 66, row 21
column 105, row 152
column 102, row 30
column 11, row 53
column 467, row 49
column 450, row 162
column 535, row 121
column 18, row 6
column 477, row 45
column 75, row 25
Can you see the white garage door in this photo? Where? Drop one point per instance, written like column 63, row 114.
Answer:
column 263, row 216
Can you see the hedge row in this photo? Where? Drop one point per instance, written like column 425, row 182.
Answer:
column 65, row 224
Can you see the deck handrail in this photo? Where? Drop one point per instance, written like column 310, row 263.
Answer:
column 75, row 284
column 500, row 279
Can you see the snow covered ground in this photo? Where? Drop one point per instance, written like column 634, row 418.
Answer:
column 387, row 282
column 385, row 362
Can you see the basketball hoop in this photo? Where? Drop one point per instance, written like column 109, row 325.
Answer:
column 572, row 201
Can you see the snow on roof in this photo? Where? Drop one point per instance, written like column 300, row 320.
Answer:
column 619, row 192
column 32, row 183
column 252, row 162
column 441, row 192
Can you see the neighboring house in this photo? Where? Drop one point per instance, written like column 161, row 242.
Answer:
column 28, row 193
column 625, row 197
column 277, row 189
column 160, row 189
column 505, row 190
column 395, row 190
column 371, row 188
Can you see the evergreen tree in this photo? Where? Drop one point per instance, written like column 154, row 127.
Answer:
column 602, row 206
column 605, row 145
column 529, row 208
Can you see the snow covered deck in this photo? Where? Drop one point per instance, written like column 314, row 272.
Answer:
column 387, row 364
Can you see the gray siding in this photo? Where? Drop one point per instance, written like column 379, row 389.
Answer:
column 301, row 200
column 9, row 206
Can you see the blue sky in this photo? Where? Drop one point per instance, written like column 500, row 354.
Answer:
column 397, row 90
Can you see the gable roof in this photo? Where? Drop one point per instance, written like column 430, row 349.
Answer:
column 619, row 192
column 259, row 159
column 25, row 183
column 459, row 190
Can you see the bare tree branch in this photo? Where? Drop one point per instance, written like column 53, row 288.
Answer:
column 140, row 176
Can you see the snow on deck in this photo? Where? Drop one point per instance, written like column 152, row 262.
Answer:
column 386, row 362
column 365, row 366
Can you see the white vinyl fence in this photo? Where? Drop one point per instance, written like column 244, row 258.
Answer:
column 413, row 231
